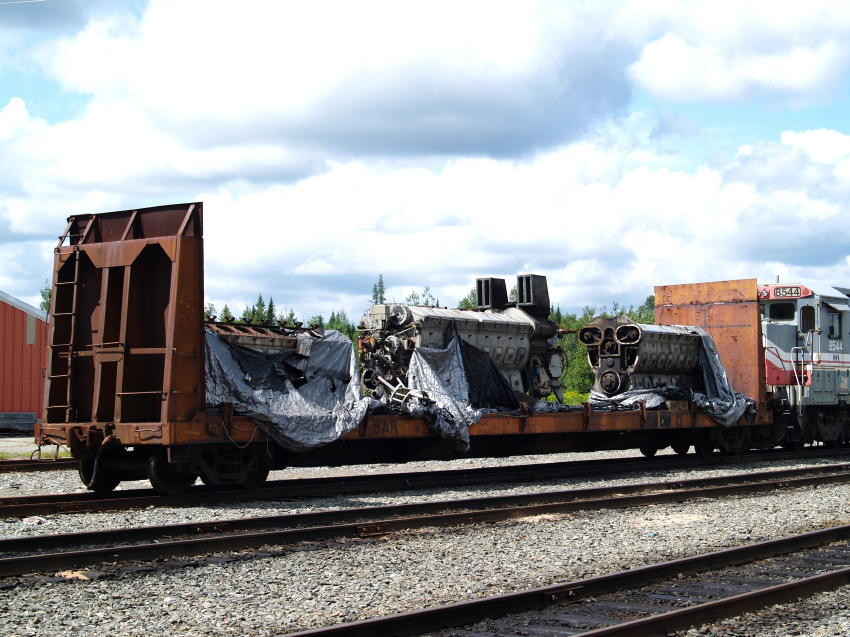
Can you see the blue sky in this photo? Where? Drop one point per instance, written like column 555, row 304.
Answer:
column 611, row 146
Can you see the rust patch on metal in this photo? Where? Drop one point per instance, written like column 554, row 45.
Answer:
column 125, row 310
column 729, row 311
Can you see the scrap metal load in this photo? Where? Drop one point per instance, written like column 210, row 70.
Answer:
column 650, row 364
column 517, row 336
column 627, row 356
column 301, row 386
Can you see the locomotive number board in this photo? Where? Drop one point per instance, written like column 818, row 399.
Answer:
column 783, row 291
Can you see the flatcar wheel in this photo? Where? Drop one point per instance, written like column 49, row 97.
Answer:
column 648, row 450
column 734, row 441
column 681, row 448
column 104, row 482
column 258, row 473
column 704, row 446
column 166, row 478
column 207, row 481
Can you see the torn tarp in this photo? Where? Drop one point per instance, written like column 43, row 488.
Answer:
column 719, row 400
column 461, row 380
column 301, row 400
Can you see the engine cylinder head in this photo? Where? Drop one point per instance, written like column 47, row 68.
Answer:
column 625, row 355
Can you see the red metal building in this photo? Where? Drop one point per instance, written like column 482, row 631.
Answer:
column 23, row 357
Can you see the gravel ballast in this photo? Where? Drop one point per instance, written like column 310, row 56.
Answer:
column 824, row 615
column 154, row 516
column 347, row 581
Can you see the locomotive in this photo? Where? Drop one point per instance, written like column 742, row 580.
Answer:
column 806, row 365
column 138, row 386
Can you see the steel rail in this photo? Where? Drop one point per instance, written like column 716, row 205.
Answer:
column 468, row 612
column 347, row 523
column 25, row 465
column 664, row 623
column 381, row 483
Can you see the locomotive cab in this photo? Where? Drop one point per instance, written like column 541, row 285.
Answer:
column 805, row 334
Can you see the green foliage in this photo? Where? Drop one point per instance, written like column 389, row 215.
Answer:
column 575, row 398
column 317, row 320
column 287, row 319
column 226, row 315
column 45, row 297
column 209, row 312
column 425, row 299
column 470, row 301
column 378, row 292
column 270, row 312
column 578, row 377
column 339, row 321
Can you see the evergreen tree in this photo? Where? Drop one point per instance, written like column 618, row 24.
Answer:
column 209, row 312
column 259, row 311
column 316, row 320
column 247, row 314
column 378, row 291
column 268, row 319
column 227, row 315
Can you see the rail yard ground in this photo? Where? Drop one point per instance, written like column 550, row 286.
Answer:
column 20, row 447
column 317, row 585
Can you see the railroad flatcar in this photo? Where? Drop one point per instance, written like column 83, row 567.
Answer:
column 130, row 364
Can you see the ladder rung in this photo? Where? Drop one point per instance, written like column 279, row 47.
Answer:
column 57, row 406
column 60, row 376
column 64, row 314
column 66, row 282
column 139, row 393
column 56, row 345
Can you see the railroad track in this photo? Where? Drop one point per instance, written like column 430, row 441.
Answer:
column 649, row 600
column 38, row 553
column 46, row 464
column 16, row 506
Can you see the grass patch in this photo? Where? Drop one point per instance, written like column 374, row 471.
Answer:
column 46, row 453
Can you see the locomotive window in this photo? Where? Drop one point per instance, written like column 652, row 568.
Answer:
column 833, row 324
column 807, row 319
column 782, row 311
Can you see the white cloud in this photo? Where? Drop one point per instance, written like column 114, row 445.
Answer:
column 827, row 146
column 608, row 236
column 331, row 142
column 380, row 77
column 606, row 218
column 674, row 69
column 691, row 51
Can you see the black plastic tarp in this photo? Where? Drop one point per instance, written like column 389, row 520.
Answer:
column 301, row 400
column 462, row 381
column 719, row 400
